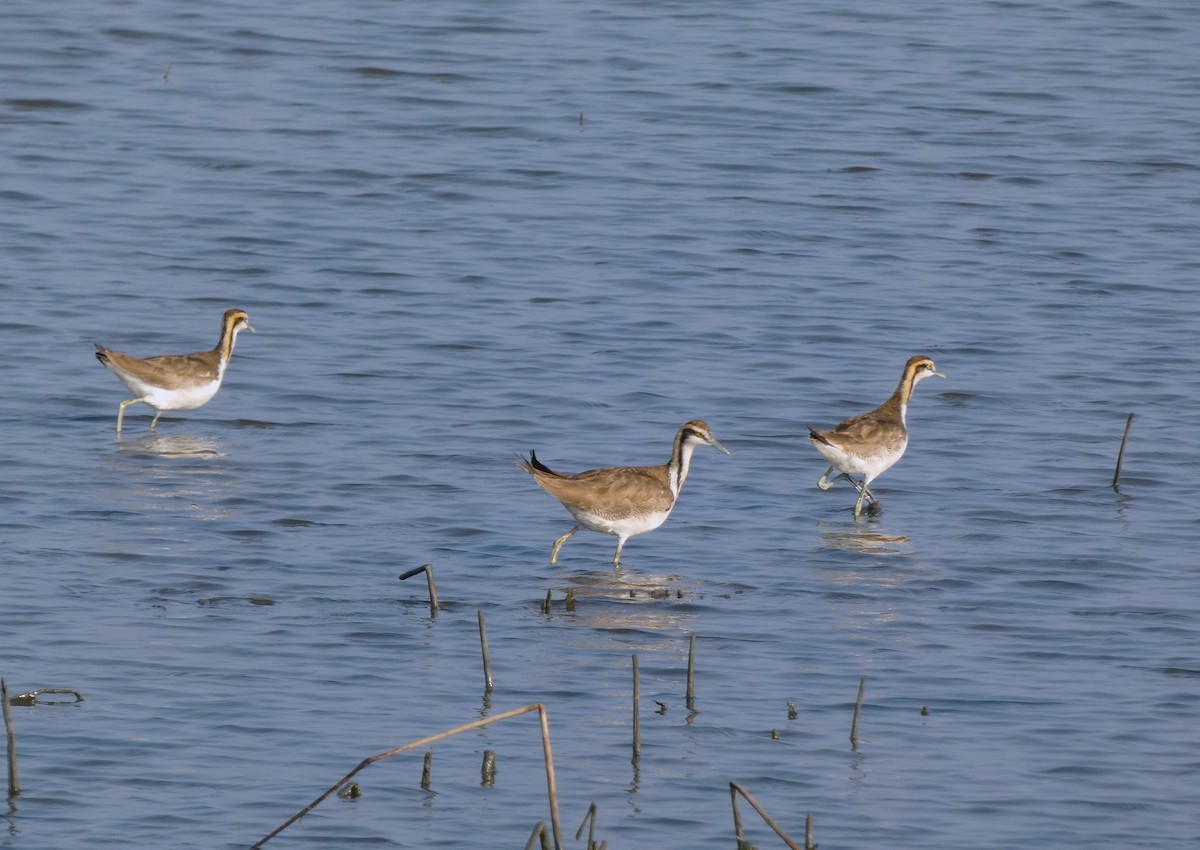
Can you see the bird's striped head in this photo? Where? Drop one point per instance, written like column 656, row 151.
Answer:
column 919, row 366
column 697, row 432
column 234, row 321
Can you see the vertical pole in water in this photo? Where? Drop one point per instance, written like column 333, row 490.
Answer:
column 487, row 658
column 14, row 776
column 637, row 712
column 551, row 783
column 738, row 833
column 691, row 674
column 433, row 599
column 434, row 605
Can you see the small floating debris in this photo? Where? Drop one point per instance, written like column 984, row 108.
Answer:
column 34, row 697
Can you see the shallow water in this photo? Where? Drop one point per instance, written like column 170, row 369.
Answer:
column 465, row 231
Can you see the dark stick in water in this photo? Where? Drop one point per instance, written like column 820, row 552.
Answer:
column 862, row 684
column 487, row 657
column 14, row 777
column 691, row 674
column 1121, row 453
column 433, row 597
column 637, row 712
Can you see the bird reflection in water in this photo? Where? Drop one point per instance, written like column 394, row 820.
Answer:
column 163, row 479
column 173, row 445
column 862, row 539
column 618, row 601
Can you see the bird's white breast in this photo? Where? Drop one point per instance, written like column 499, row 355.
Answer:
column 184, row 398
column 625, row 526
column 870, row 461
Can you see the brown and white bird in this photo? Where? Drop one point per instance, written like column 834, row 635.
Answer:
column 175, row 381
column 622, row 500
column 871, row 443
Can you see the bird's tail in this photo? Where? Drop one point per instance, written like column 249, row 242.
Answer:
column 533, row 464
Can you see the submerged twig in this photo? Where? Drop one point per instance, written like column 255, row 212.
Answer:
column 547, row 754
column 1121, row 453
column 734, row 790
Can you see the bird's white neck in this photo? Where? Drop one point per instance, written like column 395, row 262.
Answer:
column 681, row 460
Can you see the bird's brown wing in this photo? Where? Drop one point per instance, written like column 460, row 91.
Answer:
column 615, row 492
column 881, row 426
column 166, row 370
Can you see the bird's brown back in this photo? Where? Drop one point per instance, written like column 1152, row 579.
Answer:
column 170, row 371
column 613, row 491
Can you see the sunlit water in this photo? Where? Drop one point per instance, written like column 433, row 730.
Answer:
column 465, row 230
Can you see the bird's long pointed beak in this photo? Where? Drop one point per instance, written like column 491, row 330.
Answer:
column 716, row 445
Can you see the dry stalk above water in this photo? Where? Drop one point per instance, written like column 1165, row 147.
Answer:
column 551, row 785
column 736, row 789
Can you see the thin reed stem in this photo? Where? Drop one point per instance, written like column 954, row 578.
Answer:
column 551, row 785
column 736, row 789
column 1121, row 453
column 691, row 674
column 10, row 735
column 487, row 656
column 862, row 685
column 589, row 820
column 539, row 832
column 637, row 711
column 434, row 605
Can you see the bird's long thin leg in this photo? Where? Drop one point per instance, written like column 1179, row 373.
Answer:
column 862, row 494
column 154, row 421
column 620, row 545
column 823, row 482
column 859, row 486
column 558, row 545
column 121, row 412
